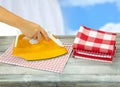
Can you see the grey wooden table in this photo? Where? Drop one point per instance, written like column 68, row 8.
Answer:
column 77, row 73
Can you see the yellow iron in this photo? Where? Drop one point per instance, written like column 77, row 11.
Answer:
column 34, row 50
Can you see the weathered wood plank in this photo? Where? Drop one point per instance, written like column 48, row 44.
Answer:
column 5, row 42
column 58, row 84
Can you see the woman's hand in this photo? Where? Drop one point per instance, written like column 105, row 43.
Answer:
column 29, row 29
column 33, row 30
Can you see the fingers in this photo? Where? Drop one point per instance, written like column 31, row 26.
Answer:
column 39, row 33
column 44, row 33
column 37, row 36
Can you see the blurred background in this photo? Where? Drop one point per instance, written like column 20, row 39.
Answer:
column 64, row 17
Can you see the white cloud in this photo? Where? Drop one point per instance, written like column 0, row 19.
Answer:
column 86, row 3
column 71, row 32
column 111, row 27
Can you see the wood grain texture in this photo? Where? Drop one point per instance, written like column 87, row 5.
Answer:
column 77, row 73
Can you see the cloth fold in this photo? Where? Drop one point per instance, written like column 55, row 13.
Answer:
column 94, row 44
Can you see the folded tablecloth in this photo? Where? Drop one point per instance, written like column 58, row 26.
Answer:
column 94, row 44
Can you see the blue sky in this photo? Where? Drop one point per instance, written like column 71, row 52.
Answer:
column 97, row 14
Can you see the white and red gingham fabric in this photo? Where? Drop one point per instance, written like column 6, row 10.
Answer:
column 95, row 44
column 55, row 65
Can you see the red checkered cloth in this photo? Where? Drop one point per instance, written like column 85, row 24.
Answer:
column 94, row 44
column 55, row 65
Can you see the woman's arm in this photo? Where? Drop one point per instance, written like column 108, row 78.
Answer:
column 28, row 28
